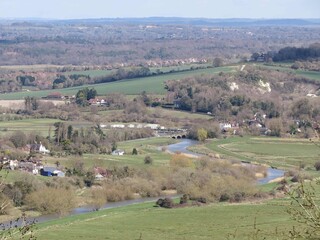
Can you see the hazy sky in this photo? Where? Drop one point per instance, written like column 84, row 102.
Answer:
column 66, row 9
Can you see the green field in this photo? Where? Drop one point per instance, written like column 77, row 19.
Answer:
column 303, row 73
column 101, row 73
column 35, row 125
column 279, row 152
column 146, row 147
column 143, row 221
column 163, row 112
column 154, row 84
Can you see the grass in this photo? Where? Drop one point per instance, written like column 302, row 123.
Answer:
column 146, row 147
column 101, row 73
column 143, row 221
column 279, row 152
column 314, row 75
column 34, row 125
column 168, row 113
column 154, row 84
column 39, row 126
column 163, row 112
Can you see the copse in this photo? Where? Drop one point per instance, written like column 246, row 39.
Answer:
column 84, row 95
column 293, row 53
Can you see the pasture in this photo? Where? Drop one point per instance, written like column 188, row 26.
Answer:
column 145, row 147
column 152, row 85
column 287, row 68
column 101, row 73
column 280, row 152
column 162, row 113
column 40, row 126
column 143, row 221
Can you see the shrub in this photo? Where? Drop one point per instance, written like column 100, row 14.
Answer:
column 6, row 204
column 117, row 191
column 184, row 199
column 317, row 166
column 98, row 198
column 181, row 161
column 51, row 200
column 148, row 160
column 165, row 203
column 134, row 151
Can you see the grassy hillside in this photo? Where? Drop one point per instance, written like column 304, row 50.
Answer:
column 154, row 84
column 143, row 221
column 303, row 73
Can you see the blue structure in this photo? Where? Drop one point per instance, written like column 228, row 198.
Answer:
column 51, row 172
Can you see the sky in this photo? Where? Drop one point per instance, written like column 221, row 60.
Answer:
column 74, row 9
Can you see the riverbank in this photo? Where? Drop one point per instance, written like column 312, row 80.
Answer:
column 184, row 145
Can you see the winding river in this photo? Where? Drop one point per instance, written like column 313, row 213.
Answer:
column 185, row 143
column 177, row 147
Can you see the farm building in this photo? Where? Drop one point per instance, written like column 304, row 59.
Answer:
column 51, row 172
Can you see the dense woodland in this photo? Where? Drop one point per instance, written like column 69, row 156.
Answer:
column 112, row 44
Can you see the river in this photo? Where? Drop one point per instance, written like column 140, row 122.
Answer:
column 177, row 147
column 185, row 143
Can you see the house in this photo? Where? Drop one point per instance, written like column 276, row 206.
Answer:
column 55, row 95
column 152, row 126
column 117, row 152
column 38, row 148
column 177, row 103
column 225, row 126
column 99, row 177
column 13, row 164
column 117, row 126
column 51, row 172
column 98, row 102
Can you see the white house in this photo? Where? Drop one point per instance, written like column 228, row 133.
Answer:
column 117, row 152
column 39, row 148
column 117, row 126
column 225, row 126
column 152, row 126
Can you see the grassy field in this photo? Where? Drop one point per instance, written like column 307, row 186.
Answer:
column 154, row 84
column 100, row 73
column 163, row 112
column 287, row 68
column 168, row 113
column 37, row 126
column 279, row 152
column 146, row 147
column 143, row 221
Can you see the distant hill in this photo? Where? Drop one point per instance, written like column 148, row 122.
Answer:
column 180, row 21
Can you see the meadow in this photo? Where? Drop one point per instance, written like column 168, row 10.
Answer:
column 101, row 73
column 284, row 153
column 163, row 112
column 287, row 68
column 154, row 85
column 145, row 147
column 143, row 221
column 40, row 126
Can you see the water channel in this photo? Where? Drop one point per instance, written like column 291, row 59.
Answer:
column 183, row 145
column 177, row 147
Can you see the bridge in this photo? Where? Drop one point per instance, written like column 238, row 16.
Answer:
column 175, row 133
